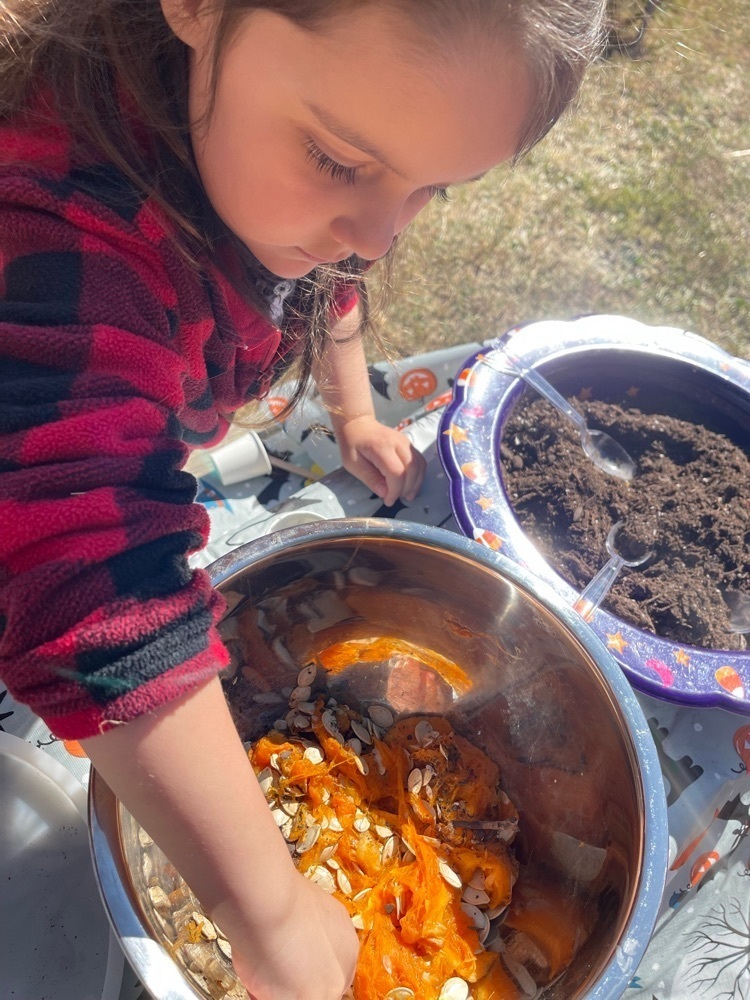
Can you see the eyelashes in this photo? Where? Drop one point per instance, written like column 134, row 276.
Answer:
column 440, row 193
column 339, row 172
column 321, row 161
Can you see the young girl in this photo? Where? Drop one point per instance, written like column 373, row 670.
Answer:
column 189, row 195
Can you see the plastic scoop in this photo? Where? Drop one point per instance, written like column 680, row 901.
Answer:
column 597, row 589
column 603, row 450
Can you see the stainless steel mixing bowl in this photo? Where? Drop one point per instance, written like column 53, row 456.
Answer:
column 544, row 699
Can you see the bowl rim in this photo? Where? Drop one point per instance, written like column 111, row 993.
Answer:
column 161, row 975
column 482, row 401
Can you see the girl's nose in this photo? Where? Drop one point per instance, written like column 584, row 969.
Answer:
column 370, row 230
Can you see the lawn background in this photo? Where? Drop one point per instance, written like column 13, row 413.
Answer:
column 637, row 203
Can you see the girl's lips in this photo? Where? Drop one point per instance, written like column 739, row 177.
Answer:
column 312, row 257
column 323, row 260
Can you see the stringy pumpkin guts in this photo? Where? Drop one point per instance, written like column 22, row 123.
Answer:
column 406, row 824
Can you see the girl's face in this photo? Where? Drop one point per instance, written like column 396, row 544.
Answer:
column 326, row 143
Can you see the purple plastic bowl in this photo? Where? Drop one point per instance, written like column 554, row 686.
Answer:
column 677, row 365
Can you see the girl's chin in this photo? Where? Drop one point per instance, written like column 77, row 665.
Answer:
column 285, row 264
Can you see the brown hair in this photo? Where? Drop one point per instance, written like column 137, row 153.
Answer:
column 88, row 52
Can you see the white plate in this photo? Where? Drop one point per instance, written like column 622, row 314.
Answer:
column 56, row 939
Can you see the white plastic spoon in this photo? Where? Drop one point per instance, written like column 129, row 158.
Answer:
column 739, row 611
column 604, row 451
column 598, row 587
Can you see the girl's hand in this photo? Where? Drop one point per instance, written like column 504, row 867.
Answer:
column 382, row 458
column 308, row 951
column 290, row 940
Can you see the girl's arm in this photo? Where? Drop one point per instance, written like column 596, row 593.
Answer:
column 183, row 773
column 380, row 456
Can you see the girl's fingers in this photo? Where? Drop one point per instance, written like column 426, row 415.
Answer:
column 387, row 468
column 415, row 471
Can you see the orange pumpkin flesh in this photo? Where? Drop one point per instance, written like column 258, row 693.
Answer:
column 412, row 928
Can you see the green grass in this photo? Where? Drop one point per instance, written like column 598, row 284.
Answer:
column 637, row 203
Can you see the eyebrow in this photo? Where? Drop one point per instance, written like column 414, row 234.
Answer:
column 350, row 136
column 353, row 138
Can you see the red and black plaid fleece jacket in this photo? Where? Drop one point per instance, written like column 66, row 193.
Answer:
column 116, row 357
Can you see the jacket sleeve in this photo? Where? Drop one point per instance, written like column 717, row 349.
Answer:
column 101, row 617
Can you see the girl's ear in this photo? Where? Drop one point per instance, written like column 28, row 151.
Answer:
column 190, row 20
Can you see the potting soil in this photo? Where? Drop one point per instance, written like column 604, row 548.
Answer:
column 688, row 505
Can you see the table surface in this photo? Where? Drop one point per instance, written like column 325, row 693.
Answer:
column 701, row 944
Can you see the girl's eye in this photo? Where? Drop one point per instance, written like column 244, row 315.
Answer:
column 440, row 193
column 324, row 163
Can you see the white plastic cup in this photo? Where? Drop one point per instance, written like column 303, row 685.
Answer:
column 243, row 458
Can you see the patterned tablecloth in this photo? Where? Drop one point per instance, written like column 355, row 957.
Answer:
column 701, row 945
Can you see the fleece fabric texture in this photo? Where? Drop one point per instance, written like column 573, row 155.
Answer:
column 116, row 358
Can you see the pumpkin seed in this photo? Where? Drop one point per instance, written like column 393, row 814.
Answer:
column 362, row 766
column 147, row 868
column 287, row 829
column 389, row 849
column 279, row 816
column 314, row 755
column 414, row 781
column 309, row 839
column 424, row 733
column 159, row 899
column 475, row 915
column 344, row 884
column 478, row 879
column 521, row 975
column 454, row 989
column 306, row 675
column 429, row 809
column 361, row 732
column 330, row 725
column 323, row 878
column 300, row 693
column 381, row 716
column 449, row 875
column 476, row 896
column 266, row 780
column 208, row 931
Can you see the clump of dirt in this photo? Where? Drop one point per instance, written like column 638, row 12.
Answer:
column 688, row 504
